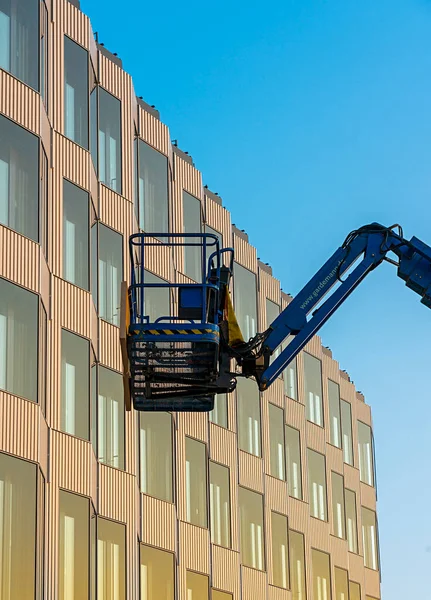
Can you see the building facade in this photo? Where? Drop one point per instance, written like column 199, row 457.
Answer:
column 269, row 496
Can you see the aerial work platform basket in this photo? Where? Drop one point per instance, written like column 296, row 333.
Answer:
column 173, row 358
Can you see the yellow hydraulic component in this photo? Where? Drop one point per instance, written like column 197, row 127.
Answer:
column 234, row 331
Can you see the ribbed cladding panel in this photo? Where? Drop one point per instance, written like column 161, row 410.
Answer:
column 367, row 496
column 180, row 471
column 356, row 569
column 119, row 83
column 71, row 307
column 159, row 260
column 245, row 254
column 318, row 534
column 299, row 515
column 334, row 457
column 52, row 525
column 351, row 478
column 116, row 494
column 339, row 552
column 315, row 437
column 254, row 584
column 154, row 132
column 43, row 445
column 225, row 570
column 19, row 426
column 250, row 471
column 266, row 443
column 71, row 463
column 276, row 593
column 270, row 287
column 158, row 524
column 276, row 496
column 19, row 259
column 45, row 284
column 53, row 400
column 75, row 24
column 372, row 583
column 94, row 326
column 218, row 218
column 131, row 442
column 195, row 425
column 19, row 102
column 110, row 351
column 73, row 161
column 194, row 545
column 115, row 211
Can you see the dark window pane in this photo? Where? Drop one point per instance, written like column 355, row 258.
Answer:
column 75, row 92
column 249, row 416
column 110, row 425
column 156, row 300
column 109, row 140
column 94, row 127
column 197, row 586
column 110, row 274
column 365, row 451
column 251, row 529
column 334, row 413
column 156, row 454
column 351, row 521
column 94, row 254
column 44, row 33
column 369, row 537
column 196, row 483
column 157, row 574
column 276, row 442
column 317, row 485
column 219, row 414
column 220, row 504
column 321, row 575
column 19, row 39
column 291, row 379
column 297, row 564
column 152, row 190
column 346, row 428
column 280, row 559
column 43, row 204
column 313, row 389
column 192, row 224
column 245, row 301
column 19, row 179
column 75, row 235
column 293, row 460
column 111, row 560
column 18, row 341
column 338, row 508
column 75, row 375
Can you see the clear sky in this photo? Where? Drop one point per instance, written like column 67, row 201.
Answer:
column 311, row 118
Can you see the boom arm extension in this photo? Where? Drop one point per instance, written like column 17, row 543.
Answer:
column 309, row 310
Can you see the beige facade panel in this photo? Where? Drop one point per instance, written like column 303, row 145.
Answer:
column 194, row 548
column 225, row 570
column 71, row 307
column 372, row 583
column 110, row 351
column 276, row 496
column 159, row 260
column 154, row 132
column 19, row 102
column 19, row 427
column 71, row 463
column 72, row 22
column 19, row 259
column 245, row 254
column 218, row 218
column 116, row 212
column 254, row 583
column 194, row 425
column 250, row 471
column 159, row 524
column 269, row 287
column 116, row 494
column 276, row 593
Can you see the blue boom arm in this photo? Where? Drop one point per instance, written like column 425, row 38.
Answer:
column 314, row 304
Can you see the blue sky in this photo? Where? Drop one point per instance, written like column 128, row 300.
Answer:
column 311, row 118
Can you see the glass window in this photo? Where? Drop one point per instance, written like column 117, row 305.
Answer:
column 93, row 119
column 110, row 274
column 313, row 389
column 19, row 177
column 152, row 189
column 369, row 538
column 338, row 510
column 44, row 34
column 75, row 388
column 366, row 467
column 156, row 300
column 111, row 560
column 17, row 528
column 334, row 413
column 351, row 520
column 109, row 140
column 19, row 40
column 43, row 356
column 197, row 586
column 217, row 595
column 291, row 380
column 75, row 234
column 245, row 301
column 110, row 425
column 317, row 485
column 280, row 558
column 251, row 528
column 196, row 482
column 156, row 454
column 18, row 341
column 297, row 565
column 74, row 547
column 355, row 591
column 75, row 92
column 157, row 574
column 220, row 505
column 43, row 206
column 346, row 428
column 293, row 460
column 321, row 575
column 94, row 252
column 341, row 584
column 249, row 416
column 272, row 312
column 192, row 224
column 219, row 236
column 219, row 414
column 276, row 441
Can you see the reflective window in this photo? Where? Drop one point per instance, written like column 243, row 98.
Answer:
column 94, row 132
column 75, row 384
column 276, row 441
column 17, row 528
column 297, row 565
column 109, row 140
column 19, row 177
column 366, row 467
column 157, row 574
column 217, row 595
column 248, row 416
column 196, row 483
column 355, row 591
column 75, row 234
column 251, row 529
column 156, row 300
column 44, row 35
column 280, row 558
column 75, row 92
column 272, row 312
column 156, row 454
column 341, row 584
column 293, row 461
column 334, row 413
column 369, row 538
column 317, row 485
column 74, row 546
column 313, row 389
column 338, row 509
column 245, row 301
column 110, row 274
column 18, row 341
column 290, row 378
column 192, row 224
column 197, row 586
column 152, row 187
column 220, row 505
column 110, row 422
column 321, row 575
column 19, row 40
column 219, row 413
column 219, row 236
column 111, row 560
column 351, row 521
column 346, row 428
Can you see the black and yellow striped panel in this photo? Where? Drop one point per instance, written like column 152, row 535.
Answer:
column 177, row 332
